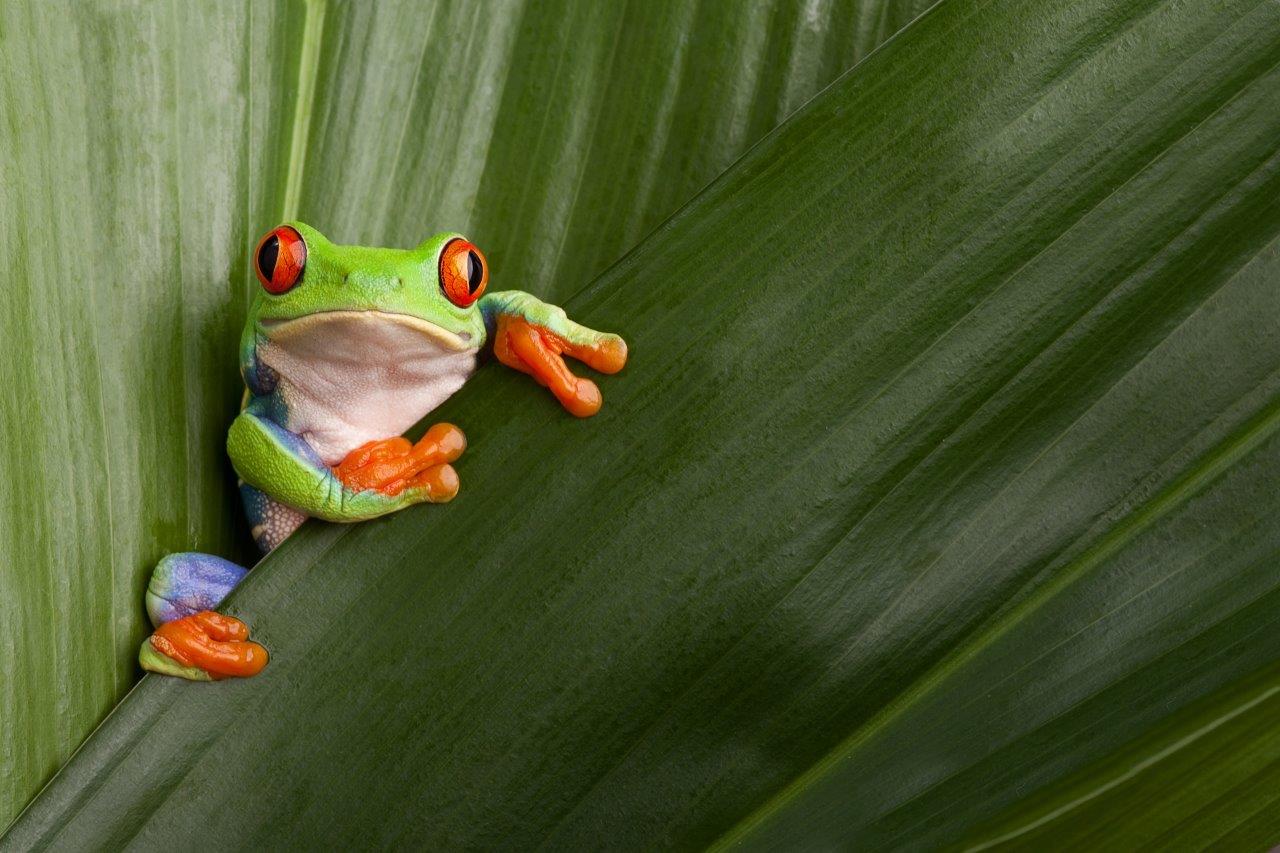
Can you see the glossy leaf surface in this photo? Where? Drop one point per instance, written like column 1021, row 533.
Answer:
column 937, row 502
column 136, row 165
column 556, row 134
column 147, row 146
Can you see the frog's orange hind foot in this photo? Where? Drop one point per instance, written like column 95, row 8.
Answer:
column 206, row 642
column 391, row 465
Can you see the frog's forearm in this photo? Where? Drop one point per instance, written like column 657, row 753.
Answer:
column 274, row 460
column 516, row 303
column 530, row 335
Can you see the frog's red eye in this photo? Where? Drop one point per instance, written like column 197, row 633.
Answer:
column 463, row 272
column 279, row 259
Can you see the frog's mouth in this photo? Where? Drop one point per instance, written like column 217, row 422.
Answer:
column 322, row 322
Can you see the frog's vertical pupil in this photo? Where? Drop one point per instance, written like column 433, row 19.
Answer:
column 267, row 257
column 463, row 275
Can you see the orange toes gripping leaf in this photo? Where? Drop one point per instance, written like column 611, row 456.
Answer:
column 211, row 642
column 441, row 443
column 391, row 465
column 608, row 356
column 534, row 350
column 440, row 481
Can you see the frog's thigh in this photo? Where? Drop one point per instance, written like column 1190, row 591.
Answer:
column 282, row 465
column 183, row 584
column 270, row 521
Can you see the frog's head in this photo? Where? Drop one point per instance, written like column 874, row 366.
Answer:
column 345, row 334
column 311, row 285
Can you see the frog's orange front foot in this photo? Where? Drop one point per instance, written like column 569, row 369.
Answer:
column 203, row 646
column 392, row 465
column 537, row 351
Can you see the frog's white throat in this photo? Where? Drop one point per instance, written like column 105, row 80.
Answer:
column 348, row 377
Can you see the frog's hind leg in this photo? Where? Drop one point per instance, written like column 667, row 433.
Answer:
column 185, row 584
column 191, row 641
column 270, row 522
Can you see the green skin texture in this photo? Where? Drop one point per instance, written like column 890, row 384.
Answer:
column 354, row 278
column 152, row 661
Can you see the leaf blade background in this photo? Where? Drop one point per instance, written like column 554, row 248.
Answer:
column 1042, row 429
column 117, row 331
column 147, row 146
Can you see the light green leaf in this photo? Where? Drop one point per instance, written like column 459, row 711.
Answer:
column 939, row 494
column 137, row 161
column 145, row 147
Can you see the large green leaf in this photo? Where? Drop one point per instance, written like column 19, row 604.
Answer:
column 558, row 133
column 937, row 502
column 1209, row 777
column 136, row 163
column 146, row 145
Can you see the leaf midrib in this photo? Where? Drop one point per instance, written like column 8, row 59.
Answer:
column 1131, row 773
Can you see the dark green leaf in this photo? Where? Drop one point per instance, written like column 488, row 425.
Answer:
column 145, row 147
column 943, row 473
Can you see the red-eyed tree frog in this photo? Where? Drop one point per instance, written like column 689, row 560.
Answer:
column 344, row 348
